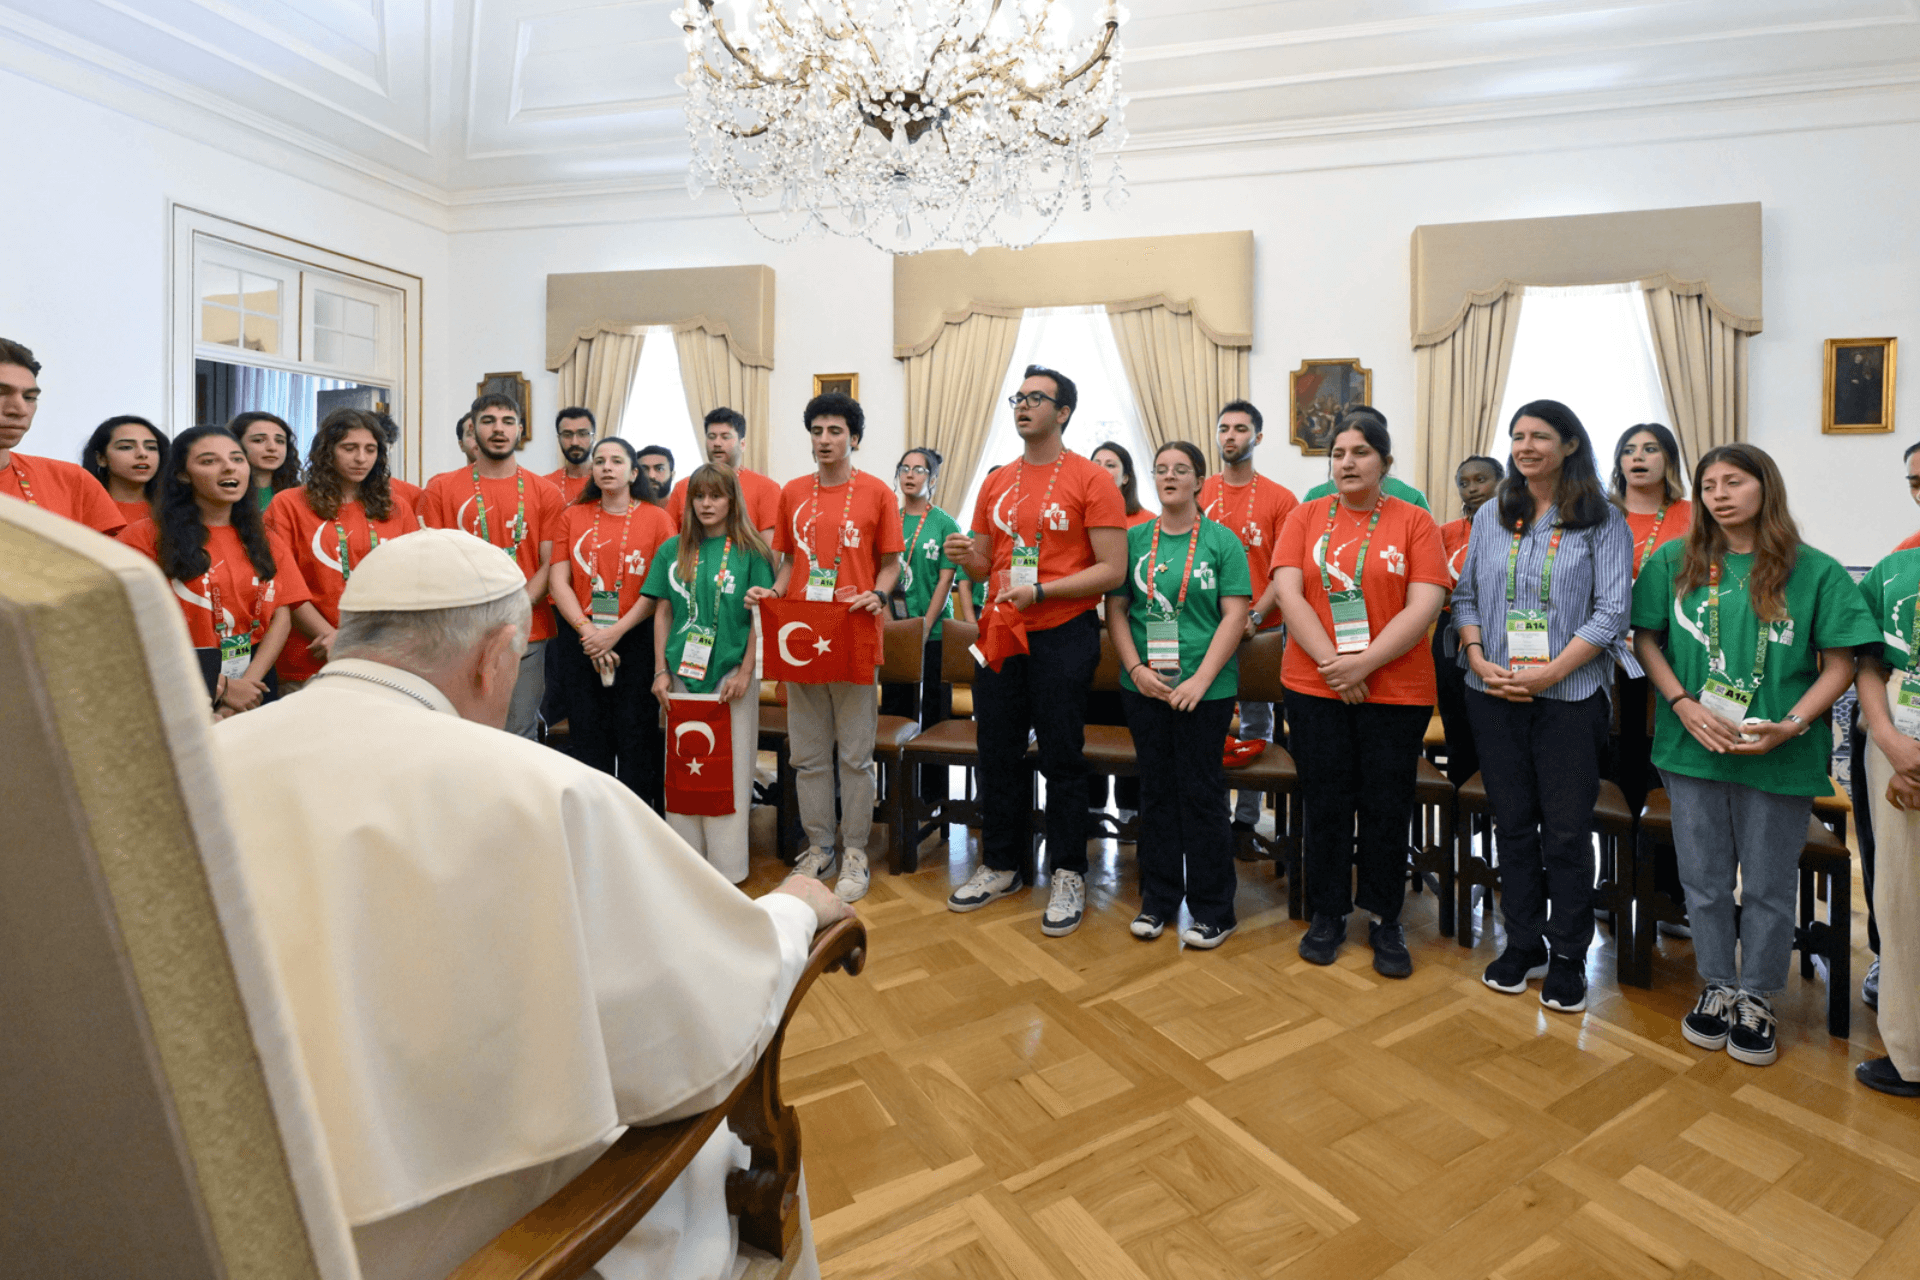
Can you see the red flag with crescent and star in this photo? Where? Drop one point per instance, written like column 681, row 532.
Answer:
column 817, row 642
column 699, row 755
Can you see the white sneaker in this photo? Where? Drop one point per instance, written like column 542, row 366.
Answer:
column 1066, row 903
column 854, row 876
column 815, row 862
column 982, row 887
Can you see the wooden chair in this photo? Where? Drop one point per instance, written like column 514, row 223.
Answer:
column 1432, row 840
column 952, row 743
column 1613, row 822
column 1273, row 770
column 902, row 660
column 773, row 737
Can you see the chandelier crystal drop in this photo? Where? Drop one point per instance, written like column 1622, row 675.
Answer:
column 913, row 126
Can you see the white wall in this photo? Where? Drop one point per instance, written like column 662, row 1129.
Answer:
column 1332, row 255
column 85, row 222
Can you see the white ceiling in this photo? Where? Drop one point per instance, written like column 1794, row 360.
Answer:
column 470, row 101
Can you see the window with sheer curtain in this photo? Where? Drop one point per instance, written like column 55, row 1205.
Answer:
column 1078, row 341
column 1590, row 348
column 656, row 411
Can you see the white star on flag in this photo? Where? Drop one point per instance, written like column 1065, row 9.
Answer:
column 822, row 645
column 693, row 766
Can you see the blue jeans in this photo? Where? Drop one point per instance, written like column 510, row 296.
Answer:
column 1724, row 828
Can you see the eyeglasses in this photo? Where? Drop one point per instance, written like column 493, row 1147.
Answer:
column 1164, row 473
column 913, row 469
column 1029, row 399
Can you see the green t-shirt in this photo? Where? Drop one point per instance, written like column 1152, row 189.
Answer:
column 1396, row 488
column 922, row 561
column 718, row 601
column 1891, row 591
column 1219, row 570
column 1823, row 612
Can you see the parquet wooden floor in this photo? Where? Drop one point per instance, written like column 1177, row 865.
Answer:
column 986, row 1102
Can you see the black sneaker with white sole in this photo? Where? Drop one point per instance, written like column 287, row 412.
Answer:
column 1564, row 989
column 1206, row 937
column 1752, row 1037
column 1711, row 1018
column 1147, row 927
column 1066, row 904
column 1516, row 967
column 982, row 887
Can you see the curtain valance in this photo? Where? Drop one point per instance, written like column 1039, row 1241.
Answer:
column 735, row 303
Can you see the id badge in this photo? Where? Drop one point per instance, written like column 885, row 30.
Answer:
column 1026, row 567
column 1527, row 636
column 820, row 583
column 606, row 608
column 1903, row 701
column 1351, row 633
column 236, row 654
column 1725, row 701
column 1163, row 647
column 697, row 653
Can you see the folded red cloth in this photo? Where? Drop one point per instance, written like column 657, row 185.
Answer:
column 1003, row 633
column 1242, row 751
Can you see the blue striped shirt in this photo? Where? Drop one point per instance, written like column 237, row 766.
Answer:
column 1592, row 594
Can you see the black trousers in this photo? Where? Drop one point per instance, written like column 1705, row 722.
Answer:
column 553, row 702
column 1045, row 691
column 927, row 703
column 1862, row 817
column 1356, row 762
column 1463, row 758
column 1541, row 762
column 1186, row 846
column 616, row 730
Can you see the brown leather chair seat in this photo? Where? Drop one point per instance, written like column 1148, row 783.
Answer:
column 1109, row 749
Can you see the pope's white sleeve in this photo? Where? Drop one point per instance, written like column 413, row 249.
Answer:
column 793, row 924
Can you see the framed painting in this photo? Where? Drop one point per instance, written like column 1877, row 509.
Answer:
column 1859, row 386
column 511, row 384
column 1319, row 392
column 847, row 384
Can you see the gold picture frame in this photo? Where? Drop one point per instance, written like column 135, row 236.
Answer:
column 516, row 385
column 847, row 384
column 1858, row 393
column 1318, row 392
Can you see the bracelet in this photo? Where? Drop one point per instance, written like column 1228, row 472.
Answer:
column 1137, row 664
column 1804, row 726
column 1039, row 592
column 662, row 671
column 1475, row 644
column 1677, row 698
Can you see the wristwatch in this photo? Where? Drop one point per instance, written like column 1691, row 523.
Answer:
column 1804, row 726
column 1257, row 618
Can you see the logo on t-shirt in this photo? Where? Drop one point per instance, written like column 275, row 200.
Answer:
column 1396, row 560
column 636, row 566
column 1203, row 575
column 1055, row 516
column 849, row 534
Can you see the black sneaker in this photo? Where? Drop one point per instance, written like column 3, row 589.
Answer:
column 1712, row 1015
column 1751, row 1037
column 1870, row 986
column 1565, row 988
column 1880, row 1074
column 1147, row 927
column 1389, row 942
column 1205, row 937
column 1322, row 943
column 1516, row 967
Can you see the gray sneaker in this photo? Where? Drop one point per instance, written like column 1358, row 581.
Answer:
column 1066, row 904
column 1870, row 986
column 982, row 887
column 818, row 863
column 854, row 876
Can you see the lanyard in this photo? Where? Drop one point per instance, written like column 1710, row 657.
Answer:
column 840, row 530
column 1186, row 574
column 20, row 476
column 1239, row 526
column 1652, row 538
column 620, row 567
column 340, row 530
column 1546, row 570
column 914, row 542
column 1713, row 630
column 1040, row 516
column 1359, row 561
column 719, row 577
column 212, row 592
column 519, row 516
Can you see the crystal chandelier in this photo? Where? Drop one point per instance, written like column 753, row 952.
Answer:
column 972, row 124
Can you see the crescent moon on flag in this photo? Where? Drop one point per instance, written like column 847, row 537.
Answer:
column 320, row 552
column 693, row 726
column 786, row 653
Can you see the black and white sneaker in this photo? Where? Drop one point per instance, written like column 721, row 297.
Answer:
column 1565, row 987
column 816, row 862
column 1206, row 937
column 1516, row 967
column 1870, row 986
column 982, row 887
column 1147, row 927
column 1066, row 904
column 1752, row 1038
column 1711, row 1018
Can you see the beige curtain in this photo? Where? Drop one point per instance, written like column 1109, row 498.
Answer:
column 951, row 387
column 716, row 377
column 1703, row 367
column 1459, row 382
column 1180, row 373
column 598, row 374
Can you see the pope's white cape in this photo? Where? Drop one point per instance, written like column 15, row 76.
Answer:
column 494, row 955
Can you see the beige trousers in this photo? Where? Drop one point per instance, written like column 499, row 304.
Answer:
column 829, row 724
column 723, row 841
column 1896, row 901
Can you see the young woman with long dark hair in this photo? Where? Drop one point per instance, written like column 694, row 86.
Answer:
column 1117, row 462
column 1541, row 610
column 1361, row 575
column 926, row 590
column 236, row 582
column 125, row 454
column 345, row 509
column 271, row 455
column 1748, row 634
column 705, row 635
column 606, row 655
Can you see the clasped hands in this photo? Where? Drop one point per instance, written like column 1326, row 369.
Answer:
column 1903, row 790
column 1184, row 696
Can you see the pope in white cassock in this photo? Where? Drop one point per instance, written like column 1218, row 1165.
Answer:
column 495, row 956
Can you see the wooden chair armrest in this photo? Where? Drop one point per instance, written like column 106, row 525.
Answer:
column 563, row 1237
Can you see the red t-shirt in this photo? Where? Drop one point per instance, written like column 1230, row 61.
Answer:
column 569, row 487
column 1255, row 513
column 247, row 603
column 1139, row 517
column 761, row 495
column 411, row 494
column 450, row 503
column 315, row 544
column 1083, row 497
column 62, row 488
column 135, row 512
column 1909, row 542
column 1454, row 535
column 1679, row 520
column 1405, row 549
column 640, row 532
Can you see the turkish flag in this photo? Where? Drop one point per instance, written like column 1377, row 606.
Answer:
column 818, row 642
column 1003, row 634
column 699, row 755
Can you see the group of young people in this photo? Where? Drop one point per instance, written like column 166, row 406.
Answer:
column 1554, row 594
